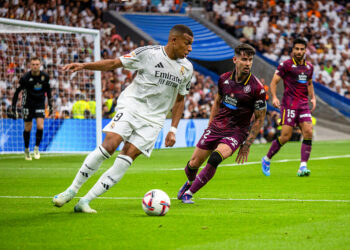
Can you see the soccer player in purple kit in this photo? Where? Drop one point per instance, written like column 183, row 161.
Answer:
column 297, row 78
column 240, row 96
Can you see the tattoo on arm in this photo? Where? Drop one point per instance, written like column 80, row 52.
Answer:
column 257, row 124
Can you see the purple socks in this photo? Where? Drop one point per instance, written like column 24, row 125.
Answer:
column 275, row 147
column 202, row 178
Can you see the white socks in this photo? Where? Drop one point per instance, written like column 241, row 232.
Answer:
column 91, row 164
column 267, row 158
column 302, row 164
column 111, row 177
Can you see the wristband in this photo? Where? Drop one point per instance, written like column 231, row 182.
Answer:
column 173, row 129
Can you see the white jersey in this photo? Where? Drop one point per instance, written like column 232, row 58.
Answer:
column 158, row 81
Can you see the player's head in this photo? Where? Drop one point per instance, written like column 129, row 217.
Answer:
column 180, row 41
column 243, row 58
column 35, row 65
column 299, row 48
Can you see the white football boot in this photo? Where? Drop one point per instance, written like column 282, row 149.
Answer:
column 83, row 207
column 36, row 153
column 27, row 155
column 63, row 198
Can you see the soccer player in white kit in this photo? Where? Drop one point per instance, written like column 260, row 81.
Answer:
column 163, row 79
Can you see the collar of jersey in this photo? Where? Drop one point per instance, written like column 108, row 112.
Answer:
column 295, row 63
column 246, row 81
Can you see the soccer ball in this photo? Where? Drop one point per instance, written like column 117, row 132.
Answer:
column 156, row 203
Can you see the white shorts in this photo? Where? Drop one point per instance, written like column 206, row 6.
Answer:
column 134, row 130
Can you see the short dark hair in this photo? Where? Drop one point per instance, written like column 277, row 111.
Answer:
column 244, row 48
column 299, row 40
column 35, row 58
column 182, row 29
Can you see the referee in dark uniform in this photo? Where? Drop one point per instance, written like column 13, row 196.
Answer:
column 35, row 86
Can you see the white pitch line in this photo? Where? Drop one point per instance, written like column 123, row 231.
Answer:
column 213, row 199
column 179, row 169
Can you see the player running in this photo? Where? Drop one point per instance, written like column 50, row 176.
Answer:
column 297, row 78
column 163, row 79
column 35, row 86
column 240, row 96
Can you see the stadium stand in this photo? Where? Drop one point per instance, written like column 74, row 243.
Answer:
column 75, row 100
column 270, row 26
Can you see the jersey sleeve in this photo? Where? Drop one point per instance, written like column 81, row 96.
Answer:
column 260, row 98
column 19, row 88
column 281, row 69
column 220, row 86
column 136, row 59
column 185, row 87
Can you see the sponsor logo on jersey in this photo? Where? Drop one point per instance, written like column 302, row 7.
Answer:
column 159, row 65
column 305, row 115
column 230, row 101
column 38, row 86
column 302, row 78
column 167, row 79
column 247, row 89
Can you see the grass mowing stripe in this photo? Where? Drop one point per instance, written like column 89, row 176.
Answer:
column 212, row 199
column 178, row 169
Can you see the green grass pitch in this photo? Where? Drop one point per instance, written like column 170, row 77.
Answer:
column 239, row 209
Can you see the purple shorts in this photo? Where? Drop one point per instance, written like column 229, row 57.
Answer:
column 211, row 138
column 293, row 117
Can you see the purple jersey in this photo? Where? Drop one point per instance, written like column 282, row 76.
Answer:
column 239, row 100
column 295, row 78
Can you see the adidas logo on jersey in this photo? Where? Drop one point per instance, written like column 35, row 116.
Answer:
column 226, row 82
column 159, row 65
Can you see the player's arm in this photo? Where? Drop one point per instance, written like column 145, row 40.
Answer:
column 310, row 89
column 259, row 116
column 215, row 109
column 102, row 65
column 177, row 111
column 15, row 98
column 273, row 87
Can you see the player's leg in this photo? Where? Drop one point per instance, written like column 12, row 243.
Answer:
column 139, row 137
column 91, row 164
column 26, row 136
column 306, row 129
column 109, row 178
column 39, row 136
column 191, row 169
column 286, row 134
column 222, row 152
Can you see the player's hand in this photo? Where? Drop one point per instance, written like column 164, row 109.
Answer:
column 73, row 67
column 170, row 139
column 276, row 102
column 313, row 102
column 13, row 113
column 242, row 155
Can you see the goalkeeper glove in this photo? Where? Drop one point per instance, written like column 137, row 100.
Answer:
column 13, row 113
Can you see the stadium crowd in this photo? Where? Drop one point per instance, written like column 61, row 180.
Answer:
column 270, row 26
column 74, row 94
